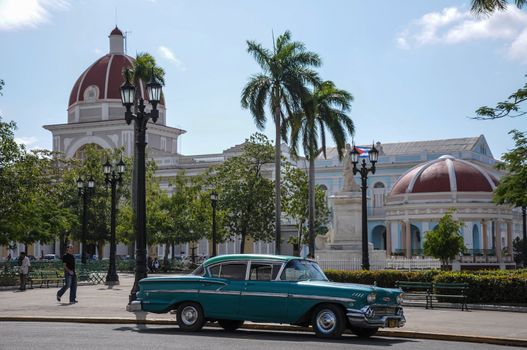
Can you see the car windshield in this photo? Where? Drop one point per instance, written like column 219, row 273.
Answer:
column 302, row 270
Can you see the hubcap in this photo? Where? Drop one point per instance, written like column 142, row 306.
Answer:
column 326, row 321
column 189, row 315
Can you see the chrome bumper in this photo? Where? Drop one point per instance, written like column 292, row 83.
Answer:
column 367, row 318
column 134, row 306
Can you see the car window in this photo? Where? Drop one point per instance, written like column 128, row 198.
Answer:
column 200, row 271
column 302, row 270
column 232, row 271
column 264, row 271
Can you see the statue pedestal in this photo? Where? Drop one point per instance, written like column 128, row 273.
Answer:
column 345, row 242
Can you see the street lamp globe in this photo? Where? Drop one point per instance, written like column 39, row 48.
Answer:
column 127, row 92
column 373, row 154
column 91, row 182
column 107, row 167
column 154, row 90
column 354, row 155
column 121, row 167
column 80, row 183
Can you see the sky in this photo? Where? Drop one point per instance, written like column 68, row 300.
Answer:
column 417, row 69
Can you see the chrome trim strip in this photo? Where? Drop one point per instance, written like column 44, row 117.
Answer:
column 221, row 292
column 320, row 297
column 172, row 291
column 264, row 294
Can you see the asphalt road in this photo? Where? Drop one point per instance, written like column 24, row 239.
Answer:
column 70, row 336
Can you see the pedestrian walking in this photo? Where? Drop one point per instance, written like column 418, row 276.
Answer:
column 24, row 270
column 70, row 277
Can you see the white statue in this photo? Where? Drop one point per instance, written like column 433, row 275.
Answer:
column 349, row 179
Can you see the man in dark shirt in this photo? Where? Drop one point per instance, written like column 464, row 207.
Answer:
column 70, row 277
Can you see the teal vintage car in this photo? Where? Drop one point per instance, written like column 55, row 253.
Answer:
column 231, row 289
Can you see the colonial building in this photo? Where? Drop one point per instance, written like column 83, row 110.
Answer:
column 414, row 185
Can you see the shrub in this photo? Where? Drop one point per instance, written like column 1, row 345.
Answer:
column 485, row 286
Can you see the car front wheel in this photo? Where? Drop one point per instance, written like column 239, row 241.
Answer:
column 328, row 321
column 230, row 325
column 364, row 332
column 190, row 317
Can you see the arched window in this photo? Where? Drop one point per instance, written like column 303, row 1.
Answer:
column 81, row 152
column 378, row 195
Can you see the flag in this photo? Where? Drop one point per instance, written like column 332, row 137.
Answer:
column 363, row 152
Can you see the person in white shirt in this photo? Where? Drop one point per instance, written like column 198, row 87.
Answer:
column 24, row 270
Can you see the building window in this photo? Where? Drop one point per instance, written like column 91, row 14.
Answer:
column 378, row 195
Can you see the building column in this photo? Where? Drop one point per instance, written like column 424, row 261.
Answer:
column 388, row 224
column 403, row 237
column 509, row 237
column 485, row 238
column 408, row 238
column 498, row 240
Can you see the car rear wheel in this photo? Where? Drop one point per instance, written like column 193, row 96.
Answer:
column 230, row 325
column 363, row 332
column 328, row 321
column 190, row 317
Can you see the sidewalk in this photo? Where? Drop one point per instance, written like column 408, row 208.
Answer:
column 103, row 304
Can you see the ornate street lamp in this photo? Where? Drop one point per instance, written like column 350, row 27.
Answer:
column 85, row 189
column 141, row 119
column 112, row 180
column 363, row 171
column 214, row 202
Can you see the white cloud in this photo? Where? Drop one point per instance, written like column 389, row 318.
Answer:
column 26, row 141
column 169, row 55
column 453, row 26
column 20, row 14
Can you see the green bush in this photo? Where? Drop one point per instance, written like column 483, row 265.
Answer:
column 382, row 278
column 485, row 286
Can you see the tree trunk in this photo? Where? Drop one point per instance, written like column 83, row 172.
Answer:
column 311, row 208
column 524, row 252
column 242, row 243
column 278, row 208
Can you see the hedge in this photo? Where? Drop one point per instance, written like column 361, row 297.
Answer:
column 487, row 286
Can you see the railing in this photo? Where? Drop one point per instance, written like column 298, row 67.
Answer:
column 348, row 265
column 400, row 263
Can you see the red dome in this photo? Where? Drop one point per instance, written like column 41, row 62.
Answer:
column 103, row 78
column 445, row 174
column 105, row 74
column 116, row 31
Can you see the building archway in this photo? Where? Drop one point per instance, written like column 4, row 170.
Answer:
column 378, row 237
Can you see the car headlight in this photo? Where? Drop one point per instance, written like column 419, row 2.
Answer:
column 400, row 298
column 371, row 298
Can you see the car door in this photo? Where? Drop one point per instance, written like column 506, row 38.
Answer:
column 219, row 294
column 263, row 298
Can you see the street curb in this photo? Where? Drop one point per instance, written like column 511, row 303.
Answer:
column 269, row 327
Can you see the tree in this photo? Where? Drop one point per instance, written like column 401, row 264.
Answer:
column 286, row 72
column 323, row 111
column 445, row 240
column 245, row 195
column 294, row 195
column 487, row 7
column 512, row 188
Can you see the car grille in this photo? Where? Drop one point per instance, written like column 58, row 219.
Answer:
column 384, row 310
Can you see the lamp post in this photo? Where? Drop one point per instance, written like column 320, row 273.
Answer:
column 373, row 155
column 85, row 189
column 214, row 202
column 141, row 119
column 112, row 179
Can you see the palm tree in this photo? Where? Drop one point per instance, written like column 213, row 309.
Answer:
column 489, row 6
column 324, row 109
column 286, row 72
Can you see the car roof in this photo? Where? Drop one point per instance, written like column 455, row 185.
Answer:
column 231, row 257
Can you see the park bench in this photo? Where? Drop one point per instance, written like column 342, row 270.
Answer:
column 90, row 277
column 45, row 278
column 416, row 291
column 440, row 292
column 448, row 292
